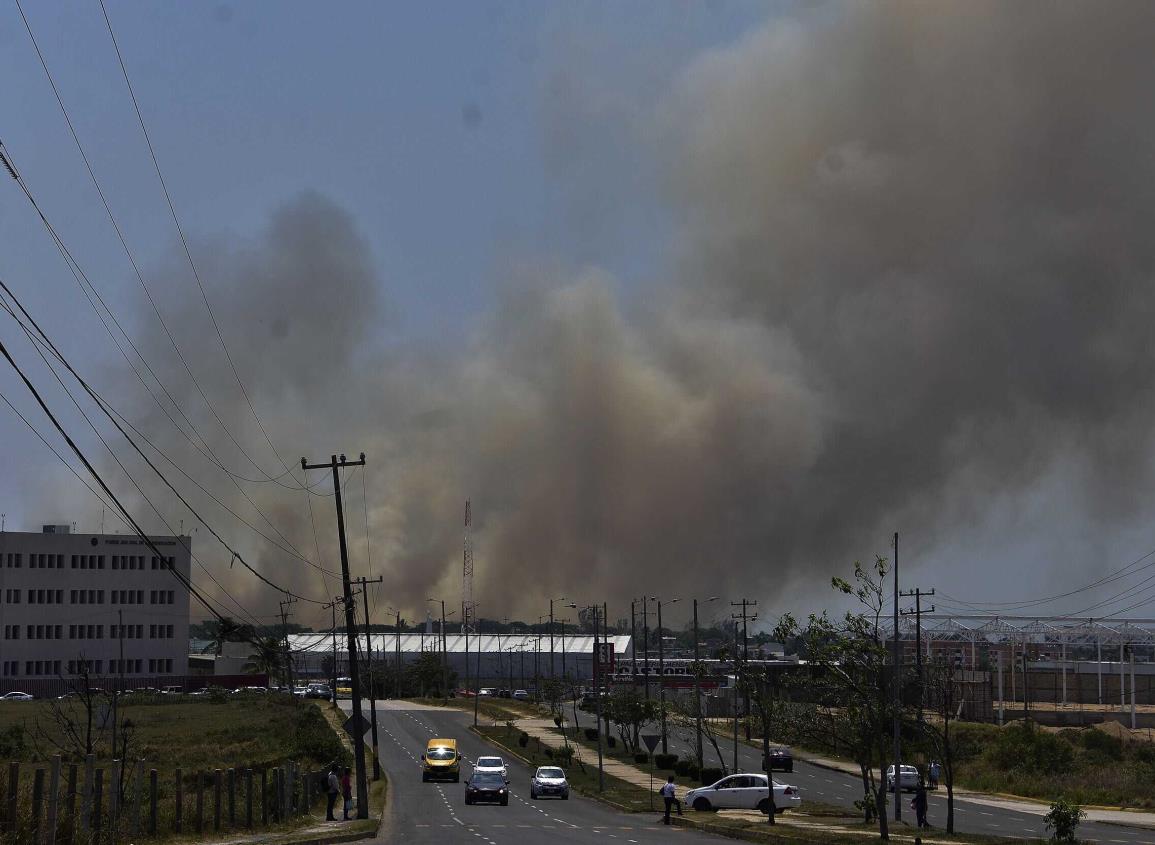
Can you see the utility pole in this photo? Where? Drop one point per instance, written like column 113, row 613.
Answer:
column 354, row 675
column 397, row 656
column 598, row 684
column 734, row 662
column 284, row 605
column 119, row 686
column 662, row 683
column 746, row 618
column 333, row 640
column 895, row 671
column 634, row 640
column 444, row 655
column 551, row 646
column 365, row 582
column 477, row 693
column 697, row 691
column 917, row 611
column 646, row 642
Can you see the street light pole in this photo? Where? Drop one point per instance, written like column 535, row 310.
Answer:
column 551, row 646
column 698, row 685
column 646, row 642
column 662, row 672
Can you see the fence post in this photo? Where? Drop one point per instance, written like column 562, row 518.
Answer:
column 138, row 783
column 86, row 796
column 71, row 803
column 97, row 804
column 200, row 816
column 232, row 798
column 216, row 799
column 178, row 818
column 152, row 802
column 37, row 802
column 54, row 799
column 13, row 786
column 264, row 796
column 249, row 798
column 114, row 798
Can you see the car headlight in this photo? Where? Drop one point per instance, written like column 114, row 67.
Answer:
column 501, row 792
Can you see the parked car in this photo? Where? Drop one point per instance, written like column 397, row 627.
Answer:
column 908, row 778
column 503, row 693
column 549, row 780
column 17, row 696
column 321, row 691
column 486, row 786
column 781, row 759
column 743, row 792
column 521, row 695
column 492, row 764
column 300, row 692
column 487, row 691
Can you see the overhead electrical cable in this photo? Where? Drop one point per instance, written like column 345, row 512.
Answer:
column 38, row 336
column 183, row 239
column 135, row 266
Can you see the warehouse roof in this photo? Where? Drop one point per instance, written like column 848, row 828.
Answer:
column 487, row 643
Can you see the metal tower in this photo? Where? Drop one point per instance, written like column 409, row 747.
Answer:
column 467, row 604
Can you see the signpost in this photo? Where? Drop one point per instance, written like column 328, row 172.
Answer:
column 651, row 741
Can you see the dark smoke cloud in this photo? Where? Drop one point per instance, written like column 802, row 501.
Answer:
column 911, row 272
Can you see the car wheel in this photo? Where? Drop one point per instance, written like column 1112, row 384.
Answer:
column 764, row 806
column 779, row 811
column 468, row 800
column 505, row 802
column 425, row 778
column 457, row 778
column 532, row 795
column 565, row 796
column 790, row 768
column 701, row 805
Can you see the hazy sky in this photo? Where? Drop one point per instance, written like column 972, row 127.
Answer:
column 687, row 297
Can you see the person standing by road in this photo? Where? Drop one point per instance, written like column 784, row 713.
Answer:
column 919, row 804
column 934, row 771
column 669, row 794
column 347, row 790
column 333, row 788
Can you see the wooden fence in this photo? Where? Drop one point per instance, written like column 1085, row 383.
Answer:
column 90, row 804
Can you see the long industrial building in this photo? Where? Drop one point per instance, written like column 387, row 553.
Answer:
column 504, row 659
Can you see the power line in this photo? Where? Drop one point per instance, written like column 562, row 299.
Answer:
column 136, row 268
column 183, row 239
column 100, row 404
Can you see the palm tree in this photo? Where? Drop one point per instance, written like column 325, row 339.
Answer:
column 268, row 657
column 228, row 630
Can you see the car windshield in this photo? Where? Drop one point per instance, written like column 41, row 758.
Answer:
column 440, row 753
column 490, row 762
column 552, row 774
column 487, row 779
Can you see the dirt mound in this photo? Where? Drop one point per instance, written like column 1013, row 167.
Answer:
column 1115, row 729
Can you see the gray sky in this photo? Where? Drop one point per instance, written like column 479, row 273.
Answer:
column 689, row 298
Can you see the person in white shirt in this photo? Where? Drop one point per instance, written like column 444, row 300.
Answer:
column 669, row 794
column 333, row 788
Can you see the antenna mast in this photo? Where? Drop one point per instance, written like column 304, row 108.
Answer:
column 467, row 603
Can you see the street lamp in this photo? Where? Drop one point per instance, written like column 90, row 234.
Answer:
column 646, row 640
column 563, row 624
column 698, row 682
column 551, row 652
column 444, row 652
column 662, row 673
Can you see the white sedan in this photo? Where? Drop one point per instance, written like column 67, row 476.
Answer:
column 743, row 792
column 908, row 779
column 495, row 765
column 16, row 696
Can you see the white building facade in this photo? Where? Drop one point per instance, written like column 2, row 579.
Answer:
column 67, row 600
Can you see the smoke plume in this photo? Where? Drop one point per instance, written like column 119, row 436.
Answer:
column 910, row 272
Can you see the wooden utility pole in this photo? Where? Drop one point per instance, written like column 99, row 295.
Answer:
column 746, row 618
column 917, row 612
column 897, row 701
column 354, row 676
column 333, row 641
column 365, row 582
column 284, row 604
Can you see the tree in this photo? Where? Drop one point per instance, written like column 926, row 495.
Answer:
column 942, row 693
column 851, row 679
column 227, row 630
column 760, row 687
column 627, row 708
column 267, row 658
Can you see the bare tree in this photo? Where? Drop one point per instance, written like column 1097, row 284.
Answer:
column 944, row 698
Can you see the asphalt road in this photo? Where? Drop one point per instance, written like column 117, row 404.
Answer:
column 437, row 813
column 833, row 787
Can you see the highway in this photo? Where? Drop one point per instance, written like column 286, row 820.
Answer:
column 436, row 812
column 833, row 787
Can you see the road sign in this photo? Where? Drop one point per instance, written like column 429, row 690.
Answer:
column 355, row 726
column 651, row 741
column 605, row 656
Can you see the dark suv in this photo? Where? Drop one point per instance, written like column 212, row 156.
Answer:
column 780, row 758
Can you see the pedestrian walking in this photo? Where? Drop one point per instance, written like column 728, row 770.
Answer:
column 669, row 794
column 919, row 804
column 347, row 790
column 935, row 772
column 333, row 788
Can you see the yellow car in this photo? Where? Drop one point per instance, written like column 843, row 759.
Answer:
column 441, row 761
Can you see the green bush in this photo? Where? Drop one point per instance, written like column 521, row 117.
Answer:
column 710, row 775
column 1025, row 748
column 682, row 767
column 564, row 755
column 610, row 741
column 692, row 771
column 523, row 740
column 665, row 761
column 591, row 734
column 641, row 757
column 12, row 742
column 1063, row 819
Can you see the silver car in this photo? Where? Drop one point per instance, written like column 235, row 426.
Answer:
column 549, row 780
